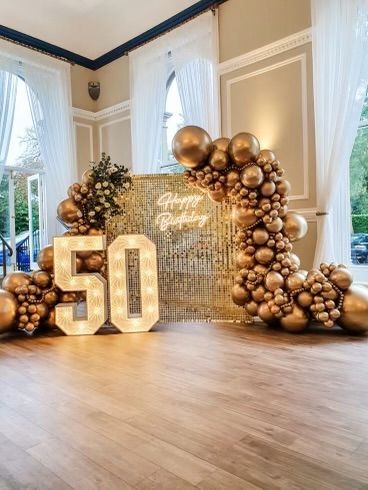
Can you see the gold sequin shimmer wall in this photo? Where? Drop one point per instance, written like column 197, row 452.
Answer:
column 195, row 249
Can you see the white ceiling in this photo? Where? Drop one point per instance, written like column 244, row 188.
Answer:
column 87, row 27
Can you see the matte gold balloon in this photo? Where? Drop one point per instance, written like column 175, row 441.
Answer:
column 8, row 310
column 274, row 280
column 283, row 187
column 275, row 226
column 51, row 298
column 243, row 148
column 295, row 259
column 15, row 279
column 42, row 310
column 239, row 295
column 87, row 177
column 267, row 155
column 244, row 217
column 68, row 211
column 45, row 259
column 305, row 299
column 341, row 277
column 268, row 188
column 260, row 236
column 84, row 255
column 244, row 260
column 258, row 294
column 296, row 321
column 50, row 321
column 68, row 297
column 264, row 255
column 79, row 264
column 94, row 262
column 95, row 232
column 232, row 178
column 219, row 160
column 354, row 311
column 252, row 308
column 218, row 195
column 265, row 315
column 42, row 279
column 295, row 281
column 191, row 146
column 221, row 144
column 295, row 226
column 252, row 176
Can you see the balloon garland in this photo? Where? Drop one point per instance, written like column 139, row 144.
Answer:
column 28, row 301
column 269, row 282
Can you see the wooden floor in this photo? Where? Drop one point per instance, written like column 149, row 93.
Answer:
column 208, row 406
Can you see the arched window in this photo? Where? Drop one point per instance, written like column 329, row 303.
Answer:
column 22, row 188
column 173, row 120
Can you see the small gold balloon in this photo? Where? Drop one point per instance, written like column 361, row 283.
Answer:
column 267, row 155
column 244, row 217
column 221, row 144
column 68, row 211
column 42, row 310
column 264, row 255
column 354, row 311
column 283, row 187
column 87, row 177
column 274, row 280
column 8, row 310
column 94, row 262
column 341, row 277
column 15, row 279
column 244, row 260
column 252, row 176
column 50, row 321
column 232, row 178
column 95, row 232
column 78, row 264
column 239, row 295
column 51, row 298
column 305, row 299
column 295, row 226
column 42, row 279
column 243, row 148
column 219, row 160
column 68, row 297
column 258, row 294
column 295, row 281
column 218, row 195
column 252, row 308
column 295, row 259
column 191, row 146
column 265, row 315
column 275, row 226
column 84, row 255
column 268, row 188
column 296, row 321
column 260, row 236
column 45, row 259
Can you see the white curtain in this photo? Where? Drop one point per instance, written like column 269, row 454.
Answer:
column 191, row 50
column 8, row 92
column 49, row 90
column 340, row 72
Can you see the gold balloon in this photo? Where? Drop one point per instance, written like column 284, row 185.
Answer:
column 232, row 178
column 252, row 176
column 341, row 277
column 68, row 211
column 8, row 310
column 274, row 280
column 94, row 262
column 42, row 279
column 258, row 294
column 295, row 226
column 84, row 255
column 265, row 315
column 191, row 146
column 296, row 321
column 244, row 260
column 295, row 259
column 268, row 188
column 68, row 297
column 217, row 195
column 45, row 259
column 221, row 144
column 219, row 160
column 275, row 226
column 243, row 148
column 50, row 321
column 264, row 255
column 305, row 299
column 78, row 264
column 239, row 295
column 42, row 310
column 283, row 187
column 95, row 232
column 295, row 281
column 244, row 217
column 87, row 177
column 252, row 308
column 14, row 279
column 267, row 155
column 260, row 236
column 354, row 311
column 51, row 298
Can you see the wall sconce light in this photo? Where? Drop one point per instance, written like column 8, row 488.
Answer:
column 94, row 90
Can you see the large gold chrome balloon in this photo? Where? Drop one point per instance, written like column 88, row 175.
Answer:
column 191, row 146
column 239, row 295
column 354, row 311
column 252, row 176
column 8, row 310
column 42, row 279
column 341, row 277
column 221, row 144
column 68, row 211
column 45, row 259
column 295, row 226
column 244, row 217
column 94, row 262
column 243, row 148
column 14, row 279
column 218, row 160
column 296, row 321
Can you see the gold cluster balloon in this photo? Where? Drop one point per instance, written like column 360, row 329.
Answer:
column 8, row 310
column 269, row 283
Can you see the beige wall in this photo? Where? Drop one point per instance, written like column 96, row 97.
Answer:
column 270, row 96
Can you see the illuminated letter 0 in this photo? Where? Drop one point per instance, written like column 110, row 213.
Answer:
column 66, row 279
column 118, row 283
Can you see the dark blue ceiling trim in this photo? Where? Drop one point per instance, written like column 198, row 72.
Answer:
column 117, row 52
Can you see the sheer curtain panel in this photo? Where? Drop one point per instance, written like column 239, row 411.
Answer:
column 8, row 92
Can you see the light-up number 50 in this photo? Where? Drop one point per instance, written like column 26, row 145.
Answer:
column 95, row 286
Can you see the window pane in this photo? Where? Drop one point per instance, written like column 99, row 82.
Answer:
column 359, row 197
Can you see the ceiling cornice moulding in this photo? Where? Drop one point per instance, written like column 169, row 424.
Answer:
column 103, row 113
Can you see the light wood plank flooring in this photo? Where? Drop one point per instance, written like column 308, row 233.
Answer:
column 185, row 406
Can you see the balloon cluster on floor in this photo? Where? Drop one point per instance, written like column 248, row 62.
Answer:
column 28, row 301
column 269, row 282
